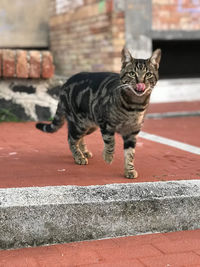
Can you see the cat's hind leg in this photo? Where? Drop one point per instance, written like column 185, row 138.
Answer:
column 82, row 144
column 78, row 155
column 109, row 145
column 84, row 149
column 75, row 137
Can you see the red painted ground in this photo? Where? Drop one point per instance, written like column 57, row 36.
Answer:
column 174, row 106
column 184, row 129
column 179, row 249
column 29, row 157
column 32, row 158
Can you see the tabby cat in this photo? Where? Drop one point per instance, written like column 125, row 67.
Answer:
column 116, row 103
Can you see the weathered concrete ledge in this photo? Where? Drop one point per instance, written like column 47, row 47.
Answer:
column 47, row 215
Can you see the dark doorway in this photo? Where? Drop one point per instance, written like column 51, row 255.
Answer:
column 180, row 58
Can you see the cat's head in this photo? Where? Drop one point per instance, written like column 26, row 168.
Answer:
column 140, row 75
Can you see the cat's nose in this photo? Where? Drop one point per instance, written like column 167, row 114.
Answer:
column 140, row 79
column 140, row 87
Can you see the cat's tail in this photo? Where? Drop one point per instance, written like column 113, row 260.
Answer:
column 55, row 125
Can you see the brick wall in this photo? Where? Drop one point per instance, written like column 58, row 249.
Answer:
column 26, row 64
column 176, row 15
column 86, row 35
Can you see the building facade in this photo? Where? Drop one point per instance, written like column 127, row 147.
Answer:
column 88, row 35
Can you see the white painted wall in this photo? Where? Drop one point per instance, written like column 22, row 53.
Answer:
column 175, row 90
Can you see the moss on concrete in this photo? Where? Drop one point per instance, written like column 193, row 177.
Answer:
column 6, row 116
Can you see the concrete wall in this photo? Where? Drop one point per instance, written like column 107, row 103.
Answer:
column 24, row 23
column 138, row 27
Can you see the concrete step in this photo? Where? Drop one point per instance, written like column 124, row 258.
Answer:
column 47, row 215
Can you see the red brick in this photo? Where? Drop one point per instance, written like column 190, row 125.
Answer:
column 109, row 6
column 35, row 251
column 184, row 245
column 19, row 261
column 183, row 235
column 166, row 16
column 89, row 2
column 124, row 263
column 72, row 257
column 22, row 66
column 140, row 240
column 35, row 64
column 9, row 63
column 197, row 252
column 6, row 254
column 47, row 65
column 95, row 244
column 178, row 260
column 105, row 253
column 113, row 254
column 96, row 30
column 55, row 261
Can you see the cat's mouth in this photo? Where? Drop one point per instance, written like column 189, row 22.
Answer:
column 140, row 89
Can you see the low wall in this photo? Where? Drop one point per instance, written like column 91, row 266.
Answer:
column 26, row 64
column 29, row 99
column 28, row 88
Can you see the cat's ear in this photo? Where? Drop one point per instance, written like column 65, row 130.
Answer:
column 126, row 55
column 155, row 58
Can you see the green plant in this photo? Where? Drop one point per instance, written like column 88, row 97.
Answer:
column 6, row 115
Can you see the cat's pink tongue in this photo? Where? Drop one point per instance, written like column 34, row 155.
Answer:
column 140, row 87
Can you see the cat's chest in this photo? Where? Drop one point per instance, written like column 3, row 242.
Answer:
column 133, row 122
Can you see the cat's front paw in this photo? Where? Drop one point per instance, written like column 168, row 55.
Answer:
column 131, row 174
column 81, row 160
column 87, row 154
column 107, row 157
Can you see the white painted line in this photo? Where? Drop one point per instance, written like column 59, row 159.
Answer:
column 173, row 114
column 170, row 142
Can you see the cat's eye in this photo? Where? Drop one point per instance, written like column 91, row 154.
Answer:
column 132, row 73
column 148, row 74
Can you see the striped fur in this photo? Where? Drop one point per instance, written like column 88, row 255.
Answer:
column 109, row 101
